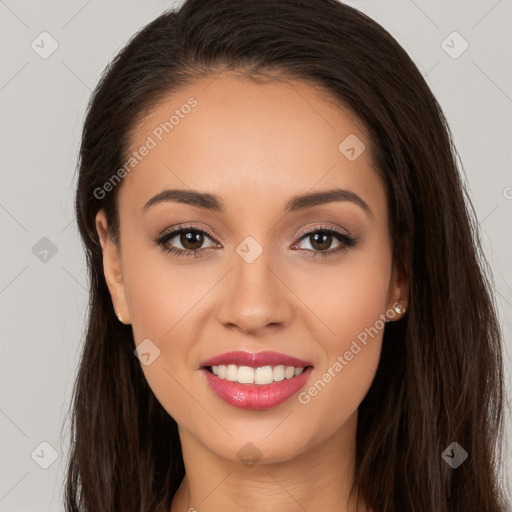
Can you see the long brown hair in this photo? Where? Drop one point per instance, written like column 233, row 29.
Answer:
column 440, row 377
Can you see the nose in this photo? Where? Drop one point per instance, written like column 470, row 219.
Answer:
column 254, row 297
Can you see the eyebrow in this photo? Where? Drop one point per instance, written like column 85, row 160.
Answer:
column 297, row 203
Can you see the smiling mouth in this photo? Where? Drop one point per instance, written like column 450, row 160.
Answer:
column 260, row 375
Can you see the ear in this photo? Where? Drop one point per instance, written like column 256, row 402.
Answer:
column 398, row 292
column 112, row 268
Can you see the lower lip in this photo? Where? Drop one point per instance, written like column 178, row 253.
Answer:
column 256, row 396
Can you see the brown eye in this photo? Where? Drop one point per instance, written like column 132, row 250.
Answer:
column 321, row 240
column 190, row 239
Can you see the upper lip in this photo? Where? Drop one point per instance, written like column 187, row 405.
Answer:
column 255, row 359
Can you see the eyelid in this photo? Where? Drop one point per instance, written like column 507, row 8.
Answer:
column 180, row 227
column 325, row 227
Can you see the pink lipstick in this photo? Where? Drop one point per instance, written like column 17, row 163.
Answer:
column 255, row 381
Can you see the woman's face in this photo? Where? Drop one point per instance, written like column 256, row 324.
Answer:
column 265, row 271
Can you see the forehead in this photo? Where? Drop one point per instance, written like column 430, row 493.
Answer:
column 226, row 133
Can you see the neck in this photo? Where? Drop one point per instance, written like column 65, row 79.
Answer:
column 318, row 479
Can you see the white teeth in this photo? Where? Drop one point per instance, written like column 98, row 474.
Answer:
column 289, row 372
column 279, row 373
column 260, row 375
column 245, row 375
column 263, row 375
column 231, row 372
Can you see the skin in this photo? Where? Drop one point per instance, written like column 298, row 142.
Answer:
column 256, row 146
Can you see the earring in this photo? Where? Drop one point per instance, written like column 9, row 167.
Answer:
column 119, row 317
column 399, row 309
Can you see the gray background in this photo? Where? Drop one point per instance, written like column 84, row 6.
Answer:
column 43, row 296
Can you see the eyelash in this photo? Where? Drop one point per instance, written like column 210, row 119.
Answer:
column 347, row 242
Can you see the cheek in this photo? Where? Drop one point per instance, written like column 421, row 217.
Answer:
column 159, row 292
column 161, row 298
column 164, row 299
column 338, row 387
column 350, row 300
column 347, row 297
